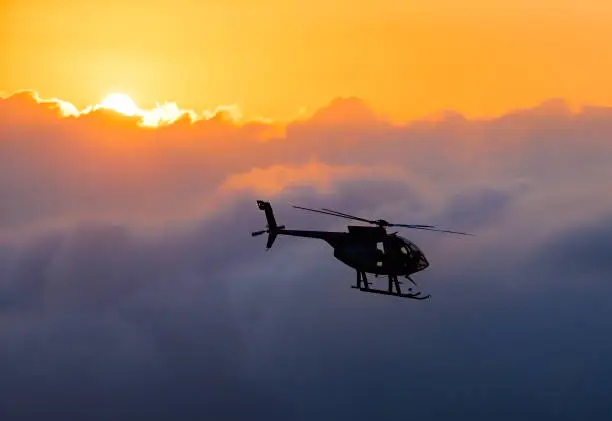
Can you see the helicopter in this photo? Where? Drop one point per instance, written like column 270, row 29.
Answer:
column 365, row 249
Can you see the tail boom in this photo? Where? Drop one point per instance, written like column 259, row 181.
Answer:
column 273, row 230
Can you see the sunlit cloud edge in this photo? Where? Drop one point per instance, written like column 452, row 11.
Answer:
column 165, row 113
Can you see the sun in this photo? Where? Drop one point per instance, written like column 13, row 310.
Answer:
column 120, row 103
column 165, row 113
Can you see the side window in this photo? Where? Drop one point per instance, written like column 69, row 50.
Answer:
column 380, row 250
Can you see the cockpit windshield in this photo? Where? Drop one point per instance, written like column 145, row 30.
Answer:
column 411, row 246
column 414, row 254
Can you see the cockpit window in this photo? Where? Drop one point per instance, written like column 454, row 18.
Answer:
column 411, row 246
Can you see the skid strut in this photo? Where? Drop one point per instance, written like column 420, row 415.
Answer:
column 392, row 289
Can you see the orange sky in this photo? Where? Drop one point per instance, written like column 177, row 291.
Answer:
column 274, row 57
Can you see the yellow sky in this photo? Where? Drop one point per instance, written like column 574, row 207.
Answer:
column 272, row 57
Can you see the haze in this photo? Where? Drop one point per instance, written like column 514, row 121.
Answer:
column 136, row 136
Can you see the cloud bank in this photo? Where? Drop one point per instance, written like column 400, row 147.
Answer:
column 130, row 286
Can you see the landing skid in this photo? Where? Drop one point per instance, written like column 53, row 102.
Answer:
column 364, row 285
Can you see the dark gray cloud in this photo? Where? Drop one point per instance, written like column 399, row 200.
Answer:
column 583, row 251
column 100, row 324
column 103, row 319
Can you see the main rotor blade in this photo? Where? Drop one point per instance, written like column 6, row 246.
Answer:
column 380, row 221
column 346, row 215
column 332, row 212
column 328, row 213
column 412, row 226
column 434, row 229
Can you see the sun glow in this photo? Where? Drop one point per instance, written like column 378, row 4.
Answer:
column 120, row 103
column 165, row 113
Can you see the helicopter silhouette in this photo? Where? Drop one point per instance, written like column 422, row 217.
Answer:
column 365, row 249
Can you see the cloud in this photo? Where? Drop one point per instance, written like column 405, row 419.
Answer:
column 131, row 288
column 584, row 250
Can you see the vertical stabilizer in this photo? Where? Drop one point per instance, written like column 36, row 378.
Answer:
column 271, row 228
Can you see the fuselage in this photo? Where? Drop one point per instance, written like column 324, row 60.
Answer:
column 370, row 250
